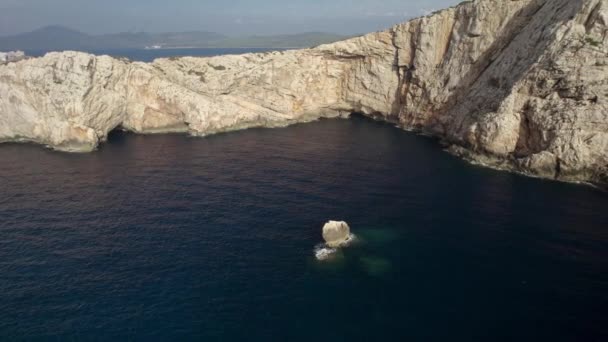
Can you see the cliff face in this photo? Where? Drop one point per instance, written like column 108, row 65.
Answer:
column 517, row 84
column 11, row 56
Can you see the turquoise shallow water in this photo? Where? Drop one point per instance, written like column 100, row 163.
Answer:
column 170, row 237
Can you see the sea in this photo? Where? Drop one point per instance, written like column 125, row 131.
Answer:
column 176, row 238
column 149, row 55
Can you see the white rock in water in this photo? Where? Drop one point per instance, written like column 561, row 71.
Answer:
column 325, row 253
column 336, row 233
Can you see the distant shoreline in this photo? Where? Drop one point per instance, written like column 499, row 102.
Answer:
column 64, row 38
column 219, row 47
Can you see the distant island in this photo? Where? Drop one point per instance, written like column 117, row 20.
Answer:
column 63, row 38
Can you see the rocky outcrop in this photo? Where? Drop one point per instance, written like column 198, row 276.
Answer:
column 336, row 233
column 518, row 85
column 11, row 56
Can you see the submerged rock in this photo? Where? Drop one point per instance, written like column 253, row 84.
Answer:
column 336, row 233
column 375, row 266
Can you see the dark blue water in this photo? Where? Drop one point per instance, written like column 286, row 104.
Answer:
column 177, row 238
column 150, row 55
column 170, row 237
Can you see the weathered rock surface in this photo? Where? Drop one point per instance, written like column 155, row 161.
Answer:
column 336, row 233
column 519, row 85
column 11, row 56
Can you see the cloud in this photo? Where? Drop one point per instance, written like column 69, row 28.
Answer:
column 388, row 14
column 427, row 11
column 226, row 16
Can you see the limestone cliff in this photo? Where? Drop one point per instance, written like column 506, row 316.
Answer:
column 517, row 84
column 11, row 56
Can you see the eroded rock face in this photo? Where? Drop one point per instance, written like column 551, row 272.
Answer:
column 11, row 56
column 336, row 233
column 517, row 85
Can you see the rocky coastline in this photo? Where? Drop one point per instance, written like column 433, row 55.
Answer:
column 517, row 85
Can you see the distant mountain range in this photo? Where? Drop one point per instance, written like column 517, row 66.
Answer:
column 63, row 38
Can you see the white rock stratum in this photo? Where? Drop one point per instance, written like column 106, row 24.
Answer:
column 518, row 84
column 11, row 56
column 336, row 233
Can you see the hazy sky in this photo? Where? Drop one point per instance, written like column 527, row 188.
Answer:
column 235, row 17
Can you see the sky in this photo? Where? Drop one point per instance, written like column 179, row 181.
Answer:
column 232, row 17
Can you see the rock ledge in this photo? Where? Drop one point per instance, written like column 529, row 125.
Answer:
column 518, row 85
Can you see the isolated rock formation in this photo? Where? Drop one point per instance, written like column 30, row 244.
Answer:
column 336, row 233
column 519, row 85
